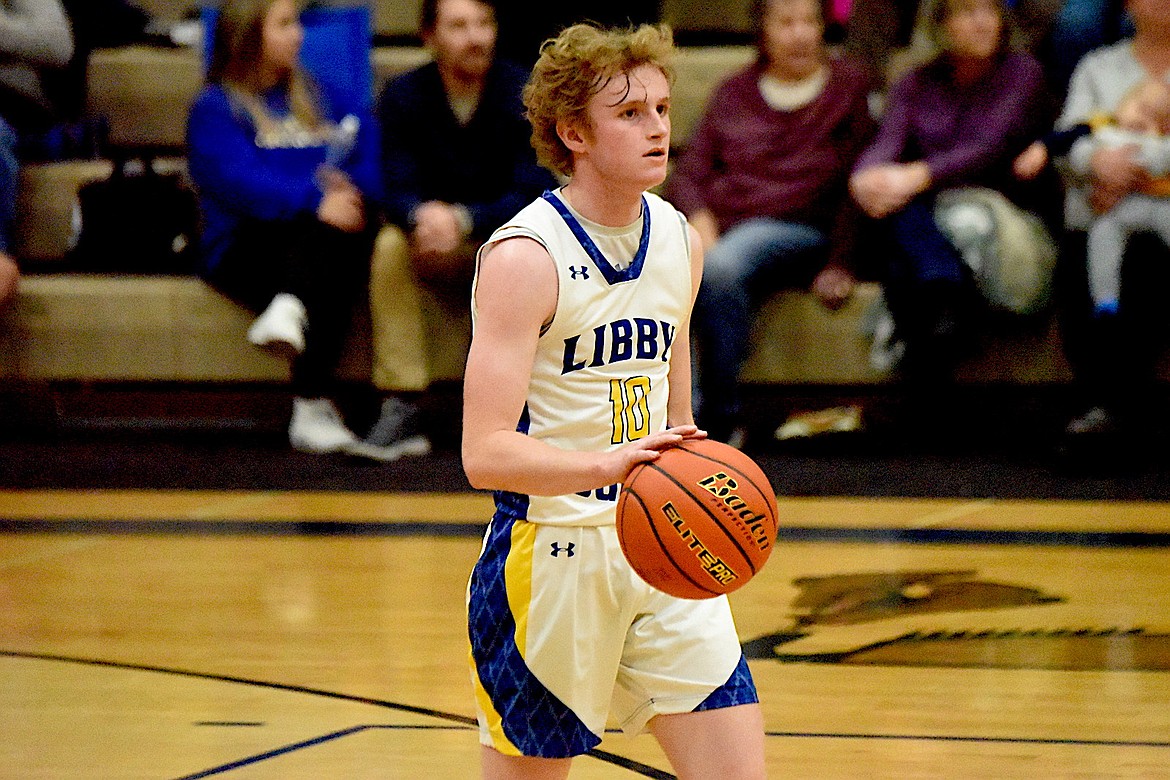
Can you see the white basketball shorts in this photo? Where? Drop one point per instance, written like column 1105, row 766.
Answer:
column 565, row 634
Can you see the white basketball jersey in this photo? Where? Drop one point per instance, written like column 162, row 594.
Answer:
column 599, row 379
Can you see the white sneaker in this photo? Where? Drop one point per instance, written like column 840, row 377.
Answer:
column 887, row 350
column 838, row 419
column 281, row 327
column 1095, row 421
column 316, row 426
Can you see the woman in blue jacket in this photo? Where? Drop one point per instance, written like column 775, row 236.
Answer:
column 287, row 178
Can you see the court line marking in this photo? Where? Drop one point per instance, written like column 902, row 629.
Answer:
column 638, row 768
column 308, row 743
column 1120, row 743
column 882, row 535
column 303, row 745
column 245, row 527
column 620, row 761
column 973, row 536
column 280, row 751
column 468, row 723
column 465, row 721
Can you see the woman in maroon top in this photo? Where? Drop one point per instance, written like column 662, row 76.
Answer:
column 958, row 120
column 764, row 182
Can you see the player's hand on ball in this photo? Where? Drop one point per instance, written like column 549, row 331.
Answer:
column 650, row 448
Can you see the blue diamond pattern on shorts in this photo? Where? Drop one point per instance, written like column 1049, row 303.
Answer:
column 535, row 720
column 739, row 689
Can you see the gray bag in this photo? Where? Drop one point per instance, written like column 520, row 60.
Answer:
column 1008, row 250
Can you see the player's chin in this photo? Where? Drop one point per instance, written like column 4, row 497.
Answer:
column 654, row 172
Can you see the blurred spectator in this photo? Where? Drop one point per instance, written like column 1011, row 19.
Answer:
column 764, row 182
column 1142, row 121
column 75, row 134
column 1112, row 349
column 1079, row 27
column 34, row 37
column 876, row 29
column 97, row 24
column 457, row 163
column 288, row 182
column 524, row 25
column 957, row 121
column 836, row 18
column 1058, row 32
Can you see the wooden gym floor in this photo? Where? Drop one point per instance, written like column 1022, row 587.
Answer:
column 310, row 634
column 968, row 610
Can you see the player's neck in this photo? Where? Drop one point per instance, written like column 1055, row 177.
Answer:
column 600, row 202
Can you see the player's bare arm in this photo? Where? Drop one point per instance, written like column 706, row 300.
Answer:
column 499, row 364
column 679, row 410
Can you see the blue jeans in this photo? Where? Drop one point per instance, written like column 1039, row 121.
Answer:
column 9, row 180
column 923, row 253
column 921, row 260
column 756, row 255
column 928, row 288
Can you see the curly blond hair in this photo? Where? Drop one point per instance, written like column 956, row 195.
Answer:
column 575, row 66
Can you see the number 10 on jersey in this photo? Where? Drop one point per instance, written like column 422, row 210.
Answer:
column 631, row 408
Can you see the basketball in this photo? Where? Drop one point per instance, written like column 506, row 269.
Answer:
column 698, row 522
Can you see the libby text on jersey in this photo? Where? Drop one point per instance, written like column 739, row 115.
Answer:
column 620, row 340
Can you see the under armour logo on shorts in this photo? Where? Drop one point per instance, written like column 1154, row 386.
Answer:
column 567, row 549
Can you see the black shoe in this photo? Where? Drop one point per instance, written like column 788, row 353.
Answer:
column 397, row 432
column 938, row 331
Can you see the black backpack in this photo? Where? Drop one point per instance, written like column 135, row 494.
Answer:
column 137, row 221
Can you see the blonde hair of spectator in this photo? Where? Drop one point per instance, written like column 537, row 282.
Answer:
column 235, row 59
column 576, row 65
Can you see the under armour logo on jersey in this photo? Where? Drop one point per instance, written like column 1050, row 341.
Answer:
column 567, row 549
column 582, row 272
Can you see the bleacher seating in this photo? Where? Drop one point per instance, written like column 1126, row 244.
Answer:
column 107, row 327
column 70, row 325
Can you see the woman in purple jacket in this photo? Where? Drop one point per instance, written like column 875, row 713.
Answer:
column 958, row 120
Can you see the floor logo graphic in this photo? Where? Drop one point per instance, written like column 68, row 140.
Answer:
column 949, row 618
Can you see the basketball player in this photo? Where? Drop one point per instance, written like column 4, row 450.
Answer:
column 579, row 368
